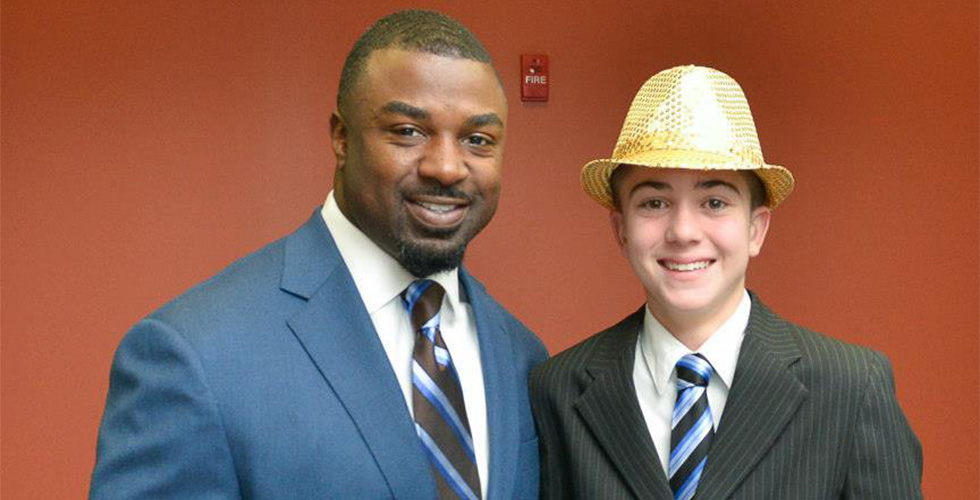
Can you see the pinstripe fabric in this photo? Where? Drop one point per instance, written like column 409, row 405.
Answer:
column 808, row 417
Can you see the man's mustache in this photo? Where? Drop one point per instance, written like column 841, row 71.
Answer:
column 436, row 190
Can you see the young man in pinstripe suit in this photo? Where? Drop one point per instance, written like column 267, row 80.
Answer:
column 704, row 392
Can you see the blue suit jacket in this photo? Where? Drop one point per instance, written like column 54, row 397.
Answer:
column 269, row 381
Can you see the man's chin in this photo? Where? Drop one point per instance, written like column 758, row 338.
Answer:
column 426, row 258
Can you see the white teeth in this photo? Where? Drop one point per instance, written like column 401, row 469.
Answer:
column 435, row 207
column 692, row 266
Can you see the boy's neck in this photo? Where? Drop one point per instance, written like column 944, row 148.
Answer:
column 694, row 328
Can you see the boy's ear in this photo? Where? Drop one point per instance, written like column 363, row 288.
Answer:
column 618, row 224
column 758, row 227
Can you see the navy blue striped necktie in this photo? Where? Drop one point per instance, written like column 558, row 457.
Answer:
column 691, row 426
column 437, row 398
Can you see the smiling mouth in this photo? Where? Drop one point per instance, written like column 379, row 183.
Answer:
column 685, row 267
column 439, row 208
column 438, row 213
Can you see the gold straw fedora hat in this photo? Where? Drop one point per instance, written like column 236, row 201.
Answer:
column 688, row 117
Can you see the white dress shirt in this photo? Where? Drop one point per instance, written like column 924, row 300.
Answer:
column 657, row 353
column 380, row 280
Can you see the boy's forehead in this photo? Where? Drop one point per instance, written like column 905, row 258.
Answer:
column 677, row 177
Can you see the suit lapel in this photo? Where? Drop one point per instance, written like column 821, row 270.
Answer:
column 763, row 399
column 340, row 339
column 500, row 386
column 609, row 407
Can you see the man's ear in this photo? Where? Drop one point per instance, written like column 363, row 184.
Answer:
column 618, row 224
column 758, row 227
column 338, row 138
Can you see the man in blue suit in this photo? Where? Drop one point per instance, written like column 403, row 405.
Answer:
column 302, row 370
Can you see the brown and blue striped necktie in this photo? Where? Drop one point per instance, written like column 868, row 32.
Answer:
column 437, row 398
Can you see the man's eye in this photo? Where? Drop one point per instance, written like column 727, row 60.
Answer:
column 407, row 131
column 479, row 140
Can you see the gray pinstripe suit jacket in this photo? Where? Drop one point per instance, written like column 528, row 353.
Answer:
column 808, row 417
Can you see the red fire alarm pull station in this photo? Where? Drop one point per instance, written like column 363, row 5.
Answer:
column 534, row 77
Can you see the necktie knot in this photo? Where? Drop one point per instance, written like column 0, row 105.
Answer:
column 694, row 370
column 422, row 300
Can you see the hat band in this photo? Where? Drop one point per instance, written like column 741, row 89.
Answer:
column 689, row 159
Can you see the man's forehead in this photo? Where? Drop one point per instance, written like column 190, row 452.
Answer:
column 421, row 85
column 394, row 60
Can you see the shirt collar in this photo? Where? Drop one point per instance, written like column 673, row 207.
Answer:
column 662, row 351
column 378, row 276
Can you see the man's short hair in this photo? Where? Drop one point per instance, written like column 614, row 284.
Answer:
column 412, row 30
column 757, row 190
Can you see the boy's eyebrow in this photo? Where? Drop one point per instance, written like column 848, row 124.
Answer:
column 404, row 108
column 712, row 183
column 659, row 186
column 705, row 184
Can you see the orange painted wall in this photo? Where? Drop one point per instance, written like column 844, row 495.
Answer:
column 145, row 145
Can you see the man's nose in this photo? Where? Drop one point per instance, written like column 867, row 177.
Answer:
column 444, row 161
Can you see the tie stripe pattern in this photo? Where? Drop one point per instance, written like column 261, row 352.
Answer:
column 437, row 398
column 691, row 426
